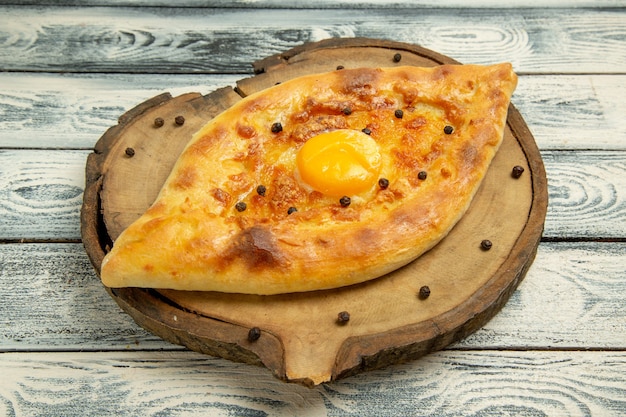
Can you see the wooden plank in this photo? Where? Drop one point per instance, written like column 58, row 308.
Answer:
column 183, row 40
column 334, row 4
column 574, row 111
column 586, row 201
column 572, row 298
column 447, row 383
column 41, row 194
column 74, row 110
column 77, row 313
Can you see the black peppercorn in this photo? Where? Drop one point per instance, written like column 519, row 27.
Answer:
column 345, row 201
column 291, row 210
column 130, row 152
column 347, row 111
column 159, row 122
column 367, row 131
column 397, row 57
column 383, row 183
column 517, row 171
column 261, row 189
column 179, row 120
column 448, row 130
column 241, row 206
column 343, row 317
column 398, row 113
column 486, row 244
column 424, row 292
column 422, row 175
column 254, row 334
column 277, row 127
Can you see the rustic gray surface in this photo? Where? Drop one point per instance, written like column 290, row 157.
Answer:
column 69, row 69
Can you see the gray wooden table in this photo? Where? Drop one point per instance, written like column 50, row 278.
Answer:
column 69, row 68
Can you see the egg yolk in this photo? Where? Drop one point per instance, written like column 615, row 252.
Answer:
column 340, row 162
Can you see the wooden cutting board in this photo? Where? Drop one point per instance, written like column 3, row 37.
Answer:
column 300, row 338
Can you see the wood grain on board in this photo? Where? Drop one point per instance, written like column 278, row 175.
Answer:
column 385, row 329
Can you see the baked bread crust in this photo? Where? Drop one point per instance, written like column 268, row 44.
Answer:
column 198, row 236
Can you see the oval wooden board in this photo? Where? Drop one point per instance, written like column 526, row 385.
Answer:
column 301, row 340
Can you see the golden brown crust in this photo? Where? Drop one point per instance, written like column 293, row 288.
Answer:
column 197, row 237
